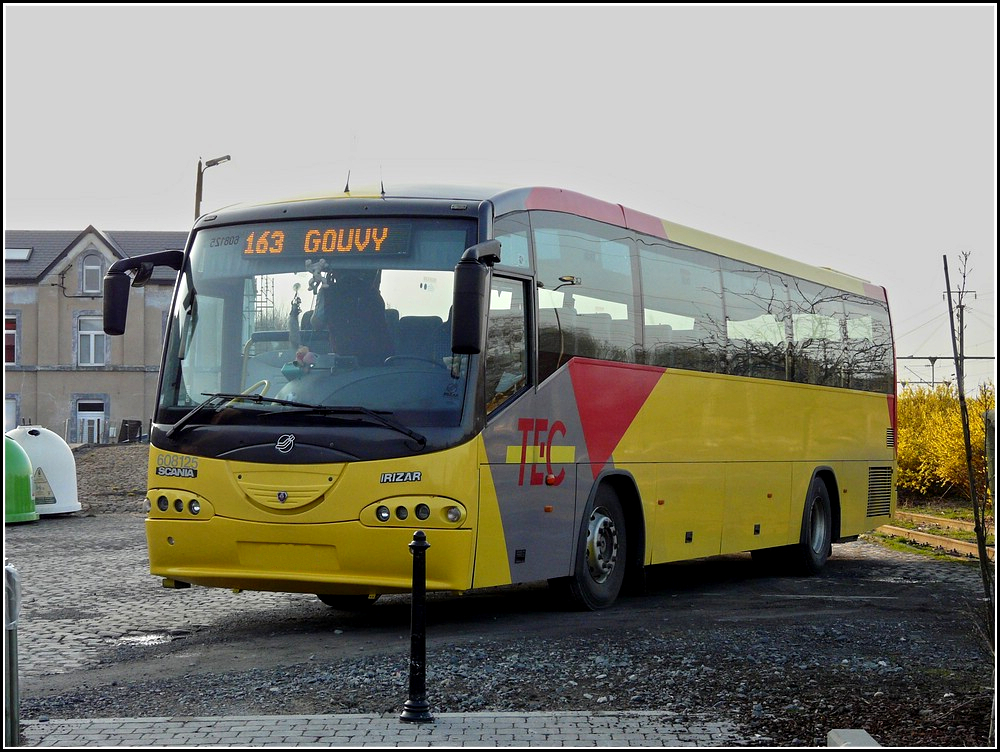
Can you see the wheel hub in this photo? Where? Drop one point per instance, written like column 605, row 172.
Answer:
column 602, row 545
column 818, row 523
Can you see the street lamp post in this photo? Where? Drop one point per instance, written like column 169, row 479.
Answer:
column 201, row 171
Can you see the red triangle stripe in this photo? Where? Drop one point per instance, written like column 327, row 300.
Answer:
column 608, row 397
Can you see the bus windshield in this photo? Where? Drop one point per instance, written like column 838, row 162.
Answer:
column 341, row 312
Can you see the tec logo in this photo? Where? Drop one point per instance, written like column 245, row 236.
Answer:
column 538, row 449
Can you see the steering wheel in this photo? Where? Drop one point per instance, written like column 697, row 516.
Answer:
column 393, row 360
column 252, row 389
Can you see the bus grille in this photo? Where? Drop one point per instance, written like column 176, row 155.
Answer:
column 879, row 491
column 890, row 437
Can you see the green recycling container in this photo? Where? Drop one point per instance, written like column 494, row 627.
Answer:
column 18, row 502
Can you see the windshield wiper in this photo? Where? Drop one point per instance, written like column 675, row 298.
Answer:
column 378, row 417
column 186, row 418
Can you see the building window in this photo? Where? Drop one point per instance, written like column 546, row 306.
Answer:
column 10, row 340
column 93, row 273
column 91, row 340
column 10, row 411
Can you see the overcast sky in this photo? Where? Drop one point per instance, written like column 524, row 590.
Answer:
column 861, row 138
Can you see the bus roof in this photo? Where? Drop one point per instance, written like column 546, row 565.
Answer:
column 543, row 198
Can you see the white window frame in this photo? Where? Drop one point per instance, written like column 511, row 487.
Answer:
column 91, row 343
column 11, row 408
column 92, row 263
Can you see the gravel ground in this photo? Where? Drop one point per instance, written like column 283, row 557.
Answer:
column 111, row 477
column 786, row 683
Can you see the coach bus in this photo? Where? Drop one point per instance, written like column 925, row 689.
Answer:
column 552, row 387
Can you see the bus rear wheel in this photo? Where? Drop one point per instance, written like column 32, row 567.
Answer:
column 817, row 530
column 601, row 553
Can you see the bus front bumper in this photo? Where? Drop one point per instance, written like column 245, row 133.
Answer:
column 330, row 558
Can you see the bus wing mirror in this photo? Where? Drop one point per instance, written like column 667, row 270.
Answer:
column 131, row 272
column 468, row 319
column 116, row 288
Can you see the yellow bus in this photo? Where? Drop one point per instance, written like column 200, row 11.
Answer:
column 552, row 387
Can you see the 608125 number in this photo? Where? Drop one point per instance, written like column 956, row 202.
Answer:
column 176, row 460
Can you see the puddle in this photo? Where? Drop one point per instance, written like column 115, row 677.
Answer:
column 143, row 640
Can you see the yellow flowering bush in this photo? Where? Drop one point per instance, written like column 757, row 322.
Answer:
column 930, row 446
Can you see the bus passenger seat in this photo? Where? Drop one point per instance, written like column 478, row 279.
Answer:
column 417, row 336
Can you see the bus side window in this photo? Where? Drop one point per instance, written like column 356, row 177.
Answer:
column 506, row 342
column 817, row 335
column 868, row 357
column 683, row 320
column 756, row 305
column 587, row 304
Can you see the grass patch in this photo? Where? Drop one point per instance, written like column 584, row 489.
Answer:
column 966, row 536
column 912, row 547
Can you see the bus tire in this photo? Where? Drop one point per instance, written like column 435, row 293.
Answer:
column 352, row 603
column 601, row 553
column 817, row 530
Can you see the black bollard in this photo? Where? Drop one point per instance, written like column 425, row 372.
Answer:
column 416, row 709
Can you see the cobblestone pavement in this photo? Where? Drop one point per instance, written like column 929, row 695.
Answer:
column 655, row 729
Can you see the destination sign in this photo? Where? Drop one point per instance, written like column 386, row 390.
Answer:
column 380, row 239
column 272, row 244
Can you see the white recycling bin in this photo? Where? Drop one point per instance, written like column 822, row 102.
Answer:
column 53, row 476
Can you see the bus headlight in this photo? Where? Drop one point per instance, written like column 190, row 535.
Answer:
column 162, row 503
column 403, row 511
column 194, row 506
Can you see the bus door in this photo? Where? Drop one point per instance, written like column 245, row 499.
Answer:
column 530, row 470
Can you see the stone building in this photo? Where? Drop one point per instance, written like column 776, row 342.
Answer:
column 60, row 370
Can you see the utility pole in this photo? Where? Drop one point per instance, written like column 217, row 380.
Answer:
column 960, row 356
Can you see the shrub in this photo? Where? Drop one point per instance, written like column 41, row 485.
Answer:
column 930, row 447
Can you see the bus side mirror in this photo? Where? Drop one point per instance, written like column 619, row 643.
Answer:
column 118, row 281
column 116, row 287
column 472, row 275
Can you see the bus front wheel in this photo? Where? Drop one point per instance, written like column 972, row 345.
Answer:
column 600, row 556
